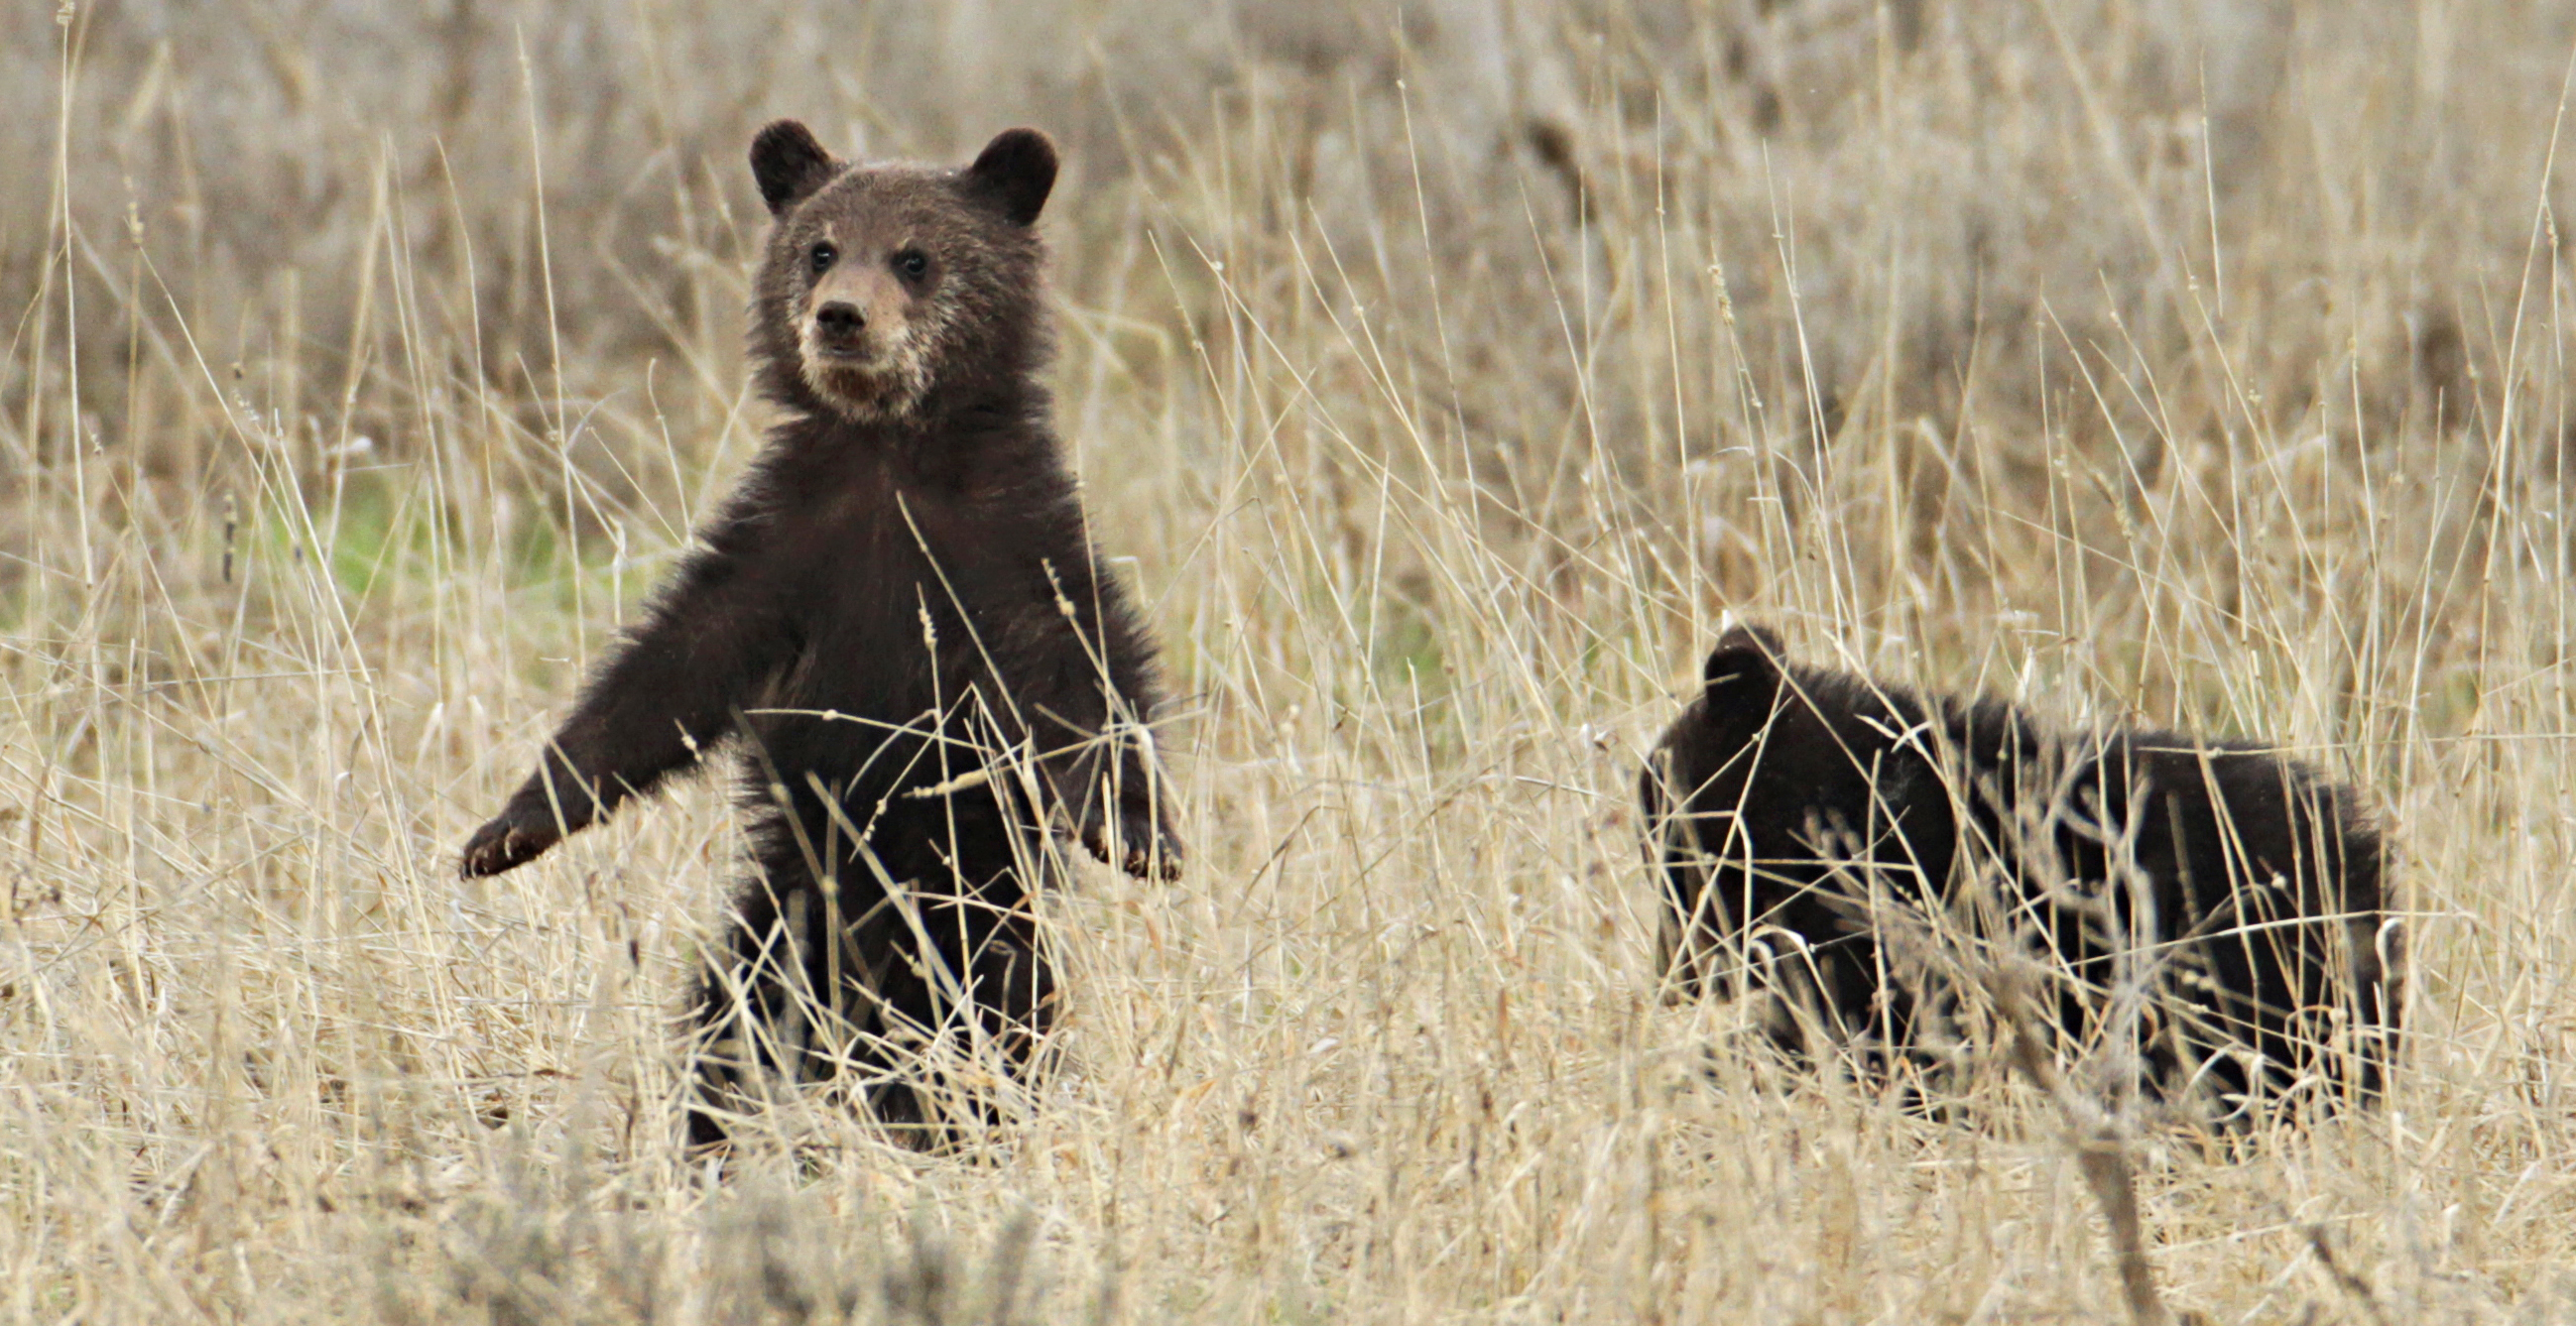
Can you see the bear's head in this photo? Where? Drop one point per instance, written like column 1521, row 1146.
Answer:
column 1769, row 784
column 1710, row 752
column 1769, row 746
column 883, row 283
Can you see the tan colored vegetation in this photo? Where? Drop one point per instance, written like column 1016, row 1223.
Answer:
column 1447, row 375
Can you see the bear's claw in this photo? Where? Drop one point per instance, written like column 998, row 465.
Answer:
column 503, row 845
column 1143, row 847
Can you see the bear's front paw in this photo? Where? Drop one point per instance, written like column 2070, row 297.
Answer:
column 510, row 840
column 1143, row 845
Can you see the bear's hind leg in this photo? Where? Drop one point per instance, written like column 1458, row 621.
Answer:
column 771, row 1004
column 973, row 1009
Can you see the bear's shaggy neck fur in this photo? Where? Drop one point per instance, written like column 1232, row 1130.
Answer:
column 967, row 430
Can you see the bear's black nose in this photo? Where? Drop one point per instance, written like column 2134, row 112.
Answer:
column 840, row 319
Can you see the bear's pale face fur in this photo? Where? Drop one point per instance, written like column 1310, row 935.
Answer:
column 869, row 322
column 877, row 280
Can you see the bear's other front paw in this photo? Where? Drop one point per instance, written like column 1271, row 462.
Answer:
column 509, row 841
column 1144, row 845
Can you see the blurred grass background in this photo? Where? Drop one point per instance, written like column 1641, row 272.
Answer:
column 1447, row 371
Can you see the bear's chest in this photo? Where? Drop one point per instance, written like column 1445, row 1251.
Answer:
column 903, row 595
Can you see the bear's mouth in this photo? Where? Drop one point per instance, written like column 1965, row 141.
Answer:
column 851, row 354
column 863, row 380
column 848, row 372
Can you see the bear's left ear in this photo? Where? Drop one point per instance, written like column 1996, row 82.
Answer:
column 1016, row 170
column 789, row 164
column 1746, row 656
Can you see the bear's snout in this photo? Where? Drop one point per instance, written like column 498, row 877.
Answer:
column 861, row 348
column 840, row 319
column 840, row 330
column 855, row 312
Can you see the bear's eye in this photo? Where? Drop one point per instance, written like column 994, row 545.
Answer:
column 911, row 264
column 823, row 255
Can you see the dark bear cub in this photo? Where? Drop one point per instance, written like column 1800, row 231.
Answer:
column 1832, row 842
column 899, row 619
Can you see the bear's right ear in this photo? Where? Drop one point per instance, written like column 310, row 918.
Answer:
column 1017, row 171
column 789, row 164
column 1746, row 656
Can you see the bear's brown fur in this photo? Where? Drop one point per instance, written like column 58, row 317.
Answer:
column 900, row 616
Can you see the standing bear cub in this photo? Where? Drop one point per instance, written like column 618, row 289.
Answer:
column 1831, row 842
column 899, row 618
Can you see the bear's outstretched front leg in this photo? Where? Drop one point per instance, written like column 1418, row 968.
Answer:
column 651, row 708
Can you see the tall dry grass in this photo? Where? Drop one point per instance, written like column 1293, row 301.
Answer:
column 1447, row 374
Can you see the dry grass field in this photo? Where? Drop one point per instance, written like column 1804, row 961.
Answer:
column 1442, row 376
